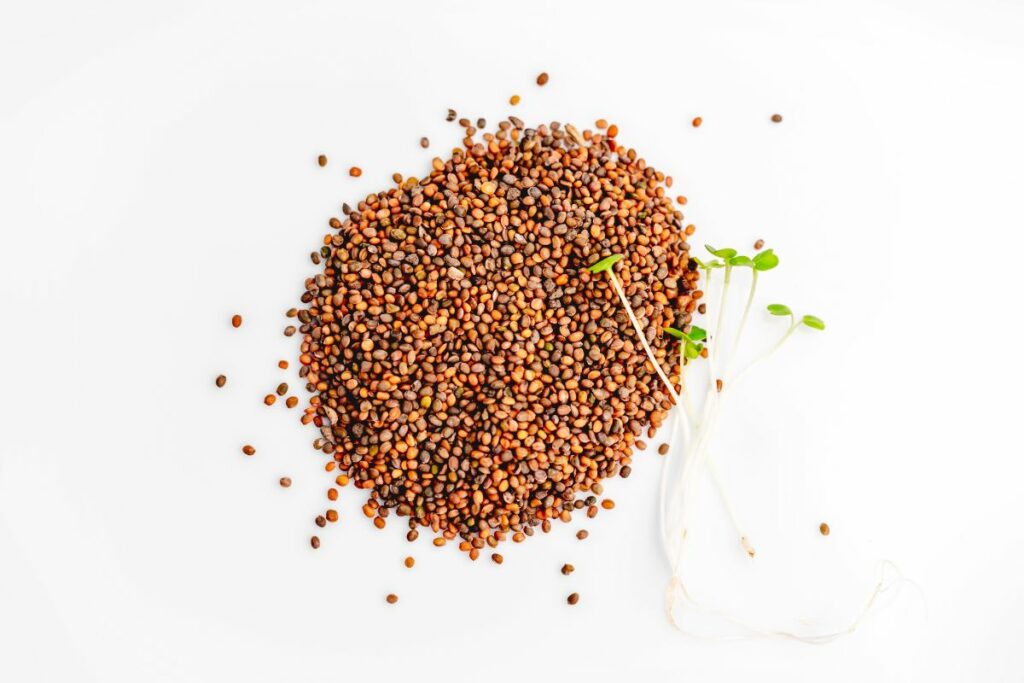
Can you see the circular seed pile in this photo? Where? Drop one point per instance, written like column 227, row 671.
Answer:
column 469, row 373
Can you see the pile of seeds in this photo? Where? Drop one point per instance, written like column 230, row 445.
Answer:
column 469, row 374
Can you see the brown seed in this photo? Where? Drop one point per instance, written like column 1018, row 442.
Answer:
column 759, row 244
column 221, row 380
column 283, row 364
column 608, row 504
column 321, row 521
column 497, row 558
column 681, row 200
column 355, row 171
column 289, row 331
column 322, row 160
column 332, row 494
column 424, row 143
column 451, row 115
column 514, row 100
column 663, row 449
column 332, row 515
column 391, row 598
column 282, row 389
column 291, row 401
column 248, row 450
column 481, row 123
column 542, row 78
column 236, row 320
column 568, row 569
column 573, row 598
column 315, row 542
column 824, row 529
column 269, row 399
column 613, row 130
column 718, row 385
column 777, row 118
column 697, row 121
column 409, row 562
column 600, row 124
column 582, row 534
column 285, row 482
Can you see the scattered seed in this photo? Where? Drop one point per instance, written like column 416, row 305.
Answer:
column 573, row 598
column 291, row 402
column 321, row 521
column 758, row 245
column 601, row 124
column 777, row 118
column 568, row 569
column 663, row 449
column 608, row 504
column 283, row 364
column 236, row 320
column 322, row 160
column 409, row 562
column 514, row 100
column 582, row 534
column 424, row 143
column 285, row 482
column 315, row 542
column 289, row 331
column 824, row 529
column 282, row 389
column 392, row 598
column 681, row 200
column 542, row 79
column 613, row 130
column 718, row 385
column 221, row 380
column 269, row 399
column 248, row 450
column 697, row 121
column 497, row 558
column 355, row 171
column 451, row 115
column 332, row 515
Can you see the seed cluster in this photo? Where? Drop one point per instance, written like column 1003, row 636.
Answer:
column 469, row 374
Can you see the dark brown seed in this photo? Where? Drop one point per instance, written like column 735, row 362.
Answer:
column 282, row 389
column 236, row 320
column 573, row 598
column 702, row 309
column 451, row 115
column 285, row 482
column 777, row 118
column 759, row 244
column 824, row 529
column 697, row 121
column 409, row 562
column 497, row 558
column 542, row 78
column 582, row 534
column 663, row 449
column 424, row 143
column 289, row 331
column 718, row 385
column 465, row 123
column 315, row 542
column 625, row 471
column 355, row 171
column 322, row 160
column 321, row 521
column 221, row 380
column 248, row 450
column 481, row 123
column 392, row 598
column 568, row 569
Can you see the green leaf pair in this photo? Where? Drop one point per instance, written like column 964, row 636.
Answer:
column 605, row 263
column 692, row 341
column 809, row 320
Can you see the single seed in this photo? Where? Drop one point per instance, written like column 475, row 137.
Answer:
column 321, row 521
column 613, row 130
column 332, row 494
column 777, row 118
column 542, row 78
column 718, row 385
column 392, row 598
column 582, row 534
column 289, row 331
column 481, row 123
column 568, row 569
column 221, row 380
column 759, row 244
column 601, row 124
column 332, row 515
column 824, row 529
column 269, row 399
column 497, row 558
column 409, row 562
column 608, row 504
column 315, row 542
column 236, row 320
column 681, row 200
column 355, row 171
column 663, row 449
column 282, row 389
column 291, row 312
column 451, row 115
column 291, row 401
column 283, row 364
column 248, row 450
column 285, row 482
column 514, row 100
column 573, row 598
column 697, row 121
column 424, row 143
column 322, row 160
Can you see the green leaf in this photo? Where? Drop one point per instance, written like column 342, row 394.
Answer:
column 693, row 350
column 766, row 260
column 715, row 264
column 678, row 334
column 740, row 261
column 779, row 309
column 697, row 333
column 605, row 263
column 725, row 252
column 700, row 264
column 813, row 323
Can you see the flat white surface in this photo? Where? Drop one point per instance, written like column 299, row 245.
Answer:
column 157, row 175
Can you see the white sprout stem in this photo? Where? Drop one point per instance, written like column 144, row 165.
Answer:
column 746, row 313
column 713, row 356
column 762, row 358
column 643, row 337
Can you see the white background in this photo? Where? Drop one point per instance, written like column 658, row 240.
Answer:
column 157, row 174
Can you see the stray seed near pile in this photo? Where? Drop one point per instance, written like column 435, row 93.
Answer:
column 409, row 562
column 248, row 450
column 514, row 100
column 681, row 200
column 568, row 569
column 469, row 374
column 824, row 529
column 322, row 160
column 269, row 399
column 221, row 380
column 315, row 542
column 283, row 364
column 758, row 245
column 573, row 598
column 282, row 389
column 697, row 121
column 582, row 534
column 608, row 504
column 424, row 143
column 718, row 385
column 663, row 449
column 289, row 331
column 542, row 78
column 320, row 521
column 497, row 558
column 355, row 171
column 451, row 115
column 291, row 401
column 392, row 598
column 285, row 482
column 332, row 516
column 236, row 320
column 777, row 118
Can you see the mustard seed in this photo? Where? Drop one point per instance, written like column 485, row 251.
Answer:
column 221, row 380
column 391, row 598
column 236, row 320
column 776, row 118
column 248, row 450
column 322, row 160
column 824, row 529
column 285, row 482
column 542, row 79
column 573, row 598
